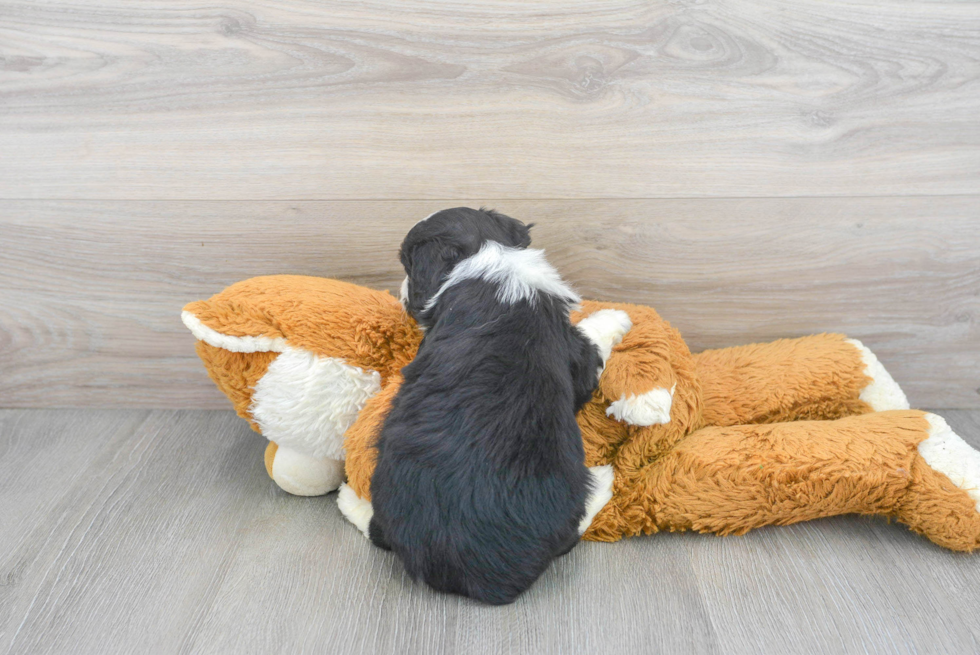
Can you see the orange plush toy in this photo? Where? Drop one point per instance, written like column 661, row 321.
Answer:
column 722, row 441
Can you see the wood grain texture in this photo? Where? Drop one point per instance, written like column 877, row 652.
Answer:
column 92, row 290
column 160, row 532
column 256, row 99
column 842, row 585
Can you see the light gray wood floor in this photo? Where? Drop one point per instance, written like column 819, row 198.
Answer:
column 132, row 531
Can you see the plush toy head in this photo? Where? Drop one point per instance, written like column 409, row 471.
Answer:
column 299, row 357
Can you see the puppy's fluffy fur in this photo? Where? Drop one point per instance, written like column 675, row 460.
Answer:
column 480, row 478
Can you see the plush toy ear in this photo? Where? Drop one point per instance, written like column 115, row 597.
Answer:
column 225, row 326
column 269, row 314
column 248, row 316
column 235, row 345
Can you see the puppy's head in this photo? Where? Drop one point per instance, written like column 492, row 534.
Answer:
column 437, row 243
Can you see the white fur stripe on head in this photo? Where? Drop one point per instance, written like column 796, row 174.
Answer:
column 519, row 273
column 228, row 342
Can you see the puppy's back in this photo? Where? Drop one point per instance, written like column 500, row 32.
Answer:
column 480, row 480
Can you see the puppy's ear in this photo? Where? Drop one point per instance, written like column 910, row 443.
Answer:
column 427, row 265
column 518, row 234
column 523, row 234
column 514, row 233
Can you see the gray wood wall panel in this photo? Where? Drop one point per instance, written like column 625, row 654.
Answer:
column 460, row 99
column 685, row 116
column 91, row 291
column 160, row 532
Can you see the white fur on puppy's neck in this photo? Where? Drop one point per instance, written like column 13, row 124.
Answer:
column 519, row 273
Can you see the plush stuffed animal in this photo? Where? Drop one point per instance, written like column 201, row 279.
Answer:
column 722, row 441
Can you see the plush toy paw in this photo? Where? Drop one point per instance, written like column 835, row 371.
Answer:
column 946, row 452
column 605, row 328
column 303, row 475
column 943, row 498
column 650, row 408
column 882, row 393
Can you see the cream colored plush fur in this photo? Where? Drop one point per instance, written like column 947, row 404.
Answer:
column 306, row 402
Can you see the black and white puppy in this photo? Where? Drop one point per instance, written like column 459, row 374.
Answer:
column 480, row 478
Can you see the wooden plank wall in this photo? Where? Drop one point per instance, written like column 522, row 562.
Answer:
column 752, row 169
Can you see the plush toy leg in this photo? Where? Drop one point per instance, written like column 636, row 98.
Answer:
column 270, row 456
column 935, row 504
column 360, row 437
column 824, row 376
column 302, row 475
column 650, row 363
column 605, row 328
column 729, row 480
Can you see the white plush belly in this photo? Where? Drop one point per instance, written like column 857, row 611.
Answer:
column 306, row 402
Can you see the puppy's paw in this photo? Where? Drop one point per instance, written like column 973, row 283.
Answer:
column 650, row 408
column 605, row 328
column 355, row 509
column 602, row 492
